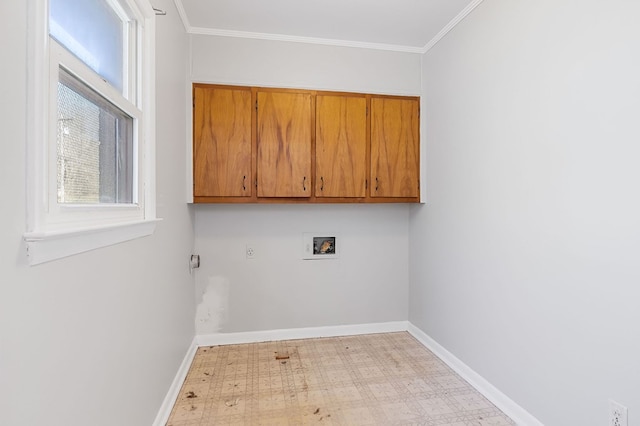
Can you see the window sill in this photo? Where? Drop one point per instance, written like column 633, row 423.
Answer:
column 47, row 246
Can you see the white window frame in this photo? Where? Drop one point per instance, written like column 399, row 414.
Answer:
column 57, row 230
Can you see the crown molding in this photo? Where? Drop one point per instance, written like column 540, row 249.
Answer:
column 455, row 21
column 183, row 14
column 325, row 41
column 307, row 40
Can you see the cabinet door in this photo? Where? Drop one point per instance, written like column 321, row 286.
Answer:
column 341, row 146
column 395, row 145
column 222, row 142
column 284, row 144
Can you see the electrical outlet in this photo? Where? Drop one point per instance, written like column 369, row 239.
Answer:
column 250, row 252
column 617, row 414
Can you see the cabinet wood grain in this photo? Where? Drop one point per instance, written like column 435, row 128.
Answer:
column 395, row 147
column 280, row 145
column 222, row 142
column 341, row 146
column 284, row 144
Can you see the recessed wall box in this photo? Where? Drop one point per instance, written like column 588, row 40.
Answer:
column 320, row 245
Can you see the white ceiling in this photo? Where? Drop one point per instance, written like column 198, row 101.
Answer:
column 403, row 25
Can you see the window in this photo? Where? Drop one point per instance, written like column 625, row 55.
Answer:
column 94, row 147
column 91, row 144
column 97, row 32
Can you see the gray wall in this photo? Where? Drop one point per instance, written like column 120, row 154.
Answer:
column 525, row 261
column 278, row 289
column 368, row 283
column 304, row 66
column 94, row 338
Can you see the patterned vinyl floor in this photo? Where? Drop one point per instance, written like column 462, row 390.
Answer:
column 377, row 379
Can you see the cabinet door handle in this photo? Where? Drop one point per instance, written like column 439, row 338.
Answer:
column 304, row 183
column 244, row 179
column 376, row 184
column 321, row 183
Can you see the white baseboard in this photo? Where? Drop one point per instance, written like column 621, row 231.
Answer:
column 518, row 414
column 299, row 333
column 176, row 385
column 500, row 400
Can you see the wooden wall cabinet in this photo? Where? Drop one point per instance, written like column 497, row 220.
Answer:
column 259, row 145
column 395, row 147
column 221, row 142
column 284, row 144
column 341, row 146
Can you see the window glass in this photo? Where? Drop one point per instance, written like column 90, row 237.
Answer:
column 95, row 148
column 93, row 31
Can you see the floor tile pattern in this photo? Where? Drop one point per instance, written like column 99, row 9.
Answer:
column 376, row 379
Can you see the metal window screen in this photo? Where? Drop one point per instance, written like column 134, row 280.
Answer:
column 95, row 147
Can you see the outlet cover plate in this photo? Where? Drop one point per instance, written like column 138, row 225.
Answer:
column 617, row 414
